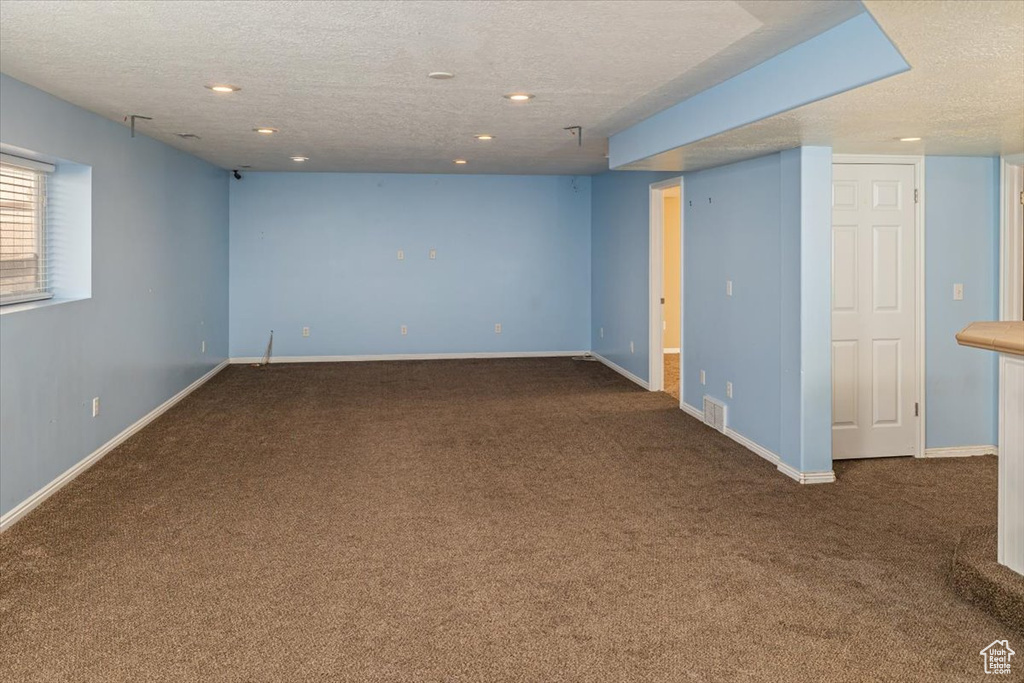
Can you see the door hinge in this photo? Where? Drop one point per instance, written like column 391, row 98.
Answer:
column 1022, row 197
column 917, row 195
column 917, row 410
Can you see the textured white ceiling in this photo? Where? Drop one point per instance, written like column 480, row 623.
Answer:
column 964, row 94
column 345, row 82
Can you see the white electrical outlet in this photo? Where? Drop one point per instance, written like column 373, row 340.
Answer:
column 602, row 332
column 728, row 287
column 433, row 254
column 728, row 389
column 631, row 349
column 202, row 347
column 497, row 328
column 96, row 406
column 401, row 255
column 405, row 330
column 305, row 331
column 958, row 291
column 703, row 379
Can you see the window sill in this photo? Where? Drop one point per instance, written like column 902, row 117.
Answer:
column 8, row 309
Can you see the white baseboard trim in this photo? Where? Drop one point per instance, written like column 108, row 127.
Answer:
column 407, row 356
column 807, row 477
column 691, row 411
column 960, row 451
column 790, row 471
column 622, row 371
column 670, row 351
column 755, row 447
column 33, row 501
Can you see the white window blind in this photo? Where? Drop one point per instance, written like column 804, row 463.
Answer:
column 24, row 267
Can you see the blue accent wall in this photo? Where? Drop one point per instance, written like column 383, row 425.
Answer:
column 764, row 224
column 961, row 246
column 815, row 311
column 767, row 228
column 158, row 289
column 319, row 250
column 732, row 232
column 620, row 217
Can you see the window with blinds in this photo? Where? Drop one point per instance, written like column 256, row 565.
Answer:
column 24, row 271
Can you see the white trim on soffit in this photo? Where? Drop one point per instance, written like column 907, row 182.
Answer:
column 919, row 237
column 622, row 371
column 408, row 356
column 33, row 501
column 656, row 275
column 791, row 472
column 960, row 451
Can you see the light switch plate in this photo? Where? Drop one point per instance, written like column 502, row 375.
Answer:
column 958, row 291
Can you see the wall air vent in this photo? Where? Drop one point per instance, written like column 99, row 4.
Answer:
column 714, row 414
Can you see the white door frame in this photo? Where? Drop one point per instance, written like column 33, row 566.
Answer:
column 656, row 269
column 1011, row 276
column 919, row 234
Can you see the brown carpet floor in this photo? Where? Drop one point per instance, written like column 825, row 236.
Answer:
column 501, row 520
column 978, row 577
column 672, row 375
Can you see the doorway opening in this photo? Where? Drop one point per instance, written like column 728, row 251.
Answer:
column 666, row 287
column 877, row 307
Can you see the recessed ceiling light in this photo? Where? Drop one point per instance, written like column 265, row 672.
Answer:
column 300, row 159
column 459, row 161
column 519, row 97
column 223, row 87
column 910, row 139
column 440, row 75
column 484, row 136
column 265, row 130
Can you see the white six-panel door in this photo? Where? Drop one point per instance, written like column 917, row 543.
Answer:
column 874, row 348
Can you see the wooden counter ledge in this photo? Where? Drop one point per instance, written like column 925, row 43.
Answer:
column 1004, row 337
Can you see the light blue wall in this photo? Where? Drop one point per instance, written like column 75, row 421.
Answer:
column 320, row 251
column 791, row 423
column 961, row 245
column 621, row 264
column 815, row 311
column 764, row 224
column 733, row 232
column 810, row 71
column 159, row 287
